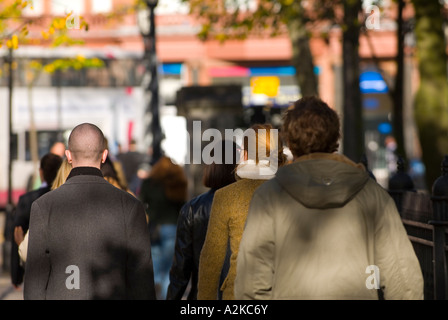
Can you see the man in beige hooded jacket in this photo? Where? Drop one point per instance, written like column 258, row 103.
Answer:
column 322, row 228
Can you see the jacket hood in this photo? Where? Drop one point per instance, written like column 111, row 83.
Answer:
column 322, row 180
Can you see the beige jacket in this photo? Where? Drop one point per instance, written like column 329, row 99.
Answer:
column 322, row 229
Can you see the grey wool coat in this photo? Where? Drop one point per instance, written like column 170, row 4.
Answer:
column 88, row 240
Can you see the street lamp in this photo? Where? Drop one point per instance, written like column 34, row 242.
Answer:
column 147, row 26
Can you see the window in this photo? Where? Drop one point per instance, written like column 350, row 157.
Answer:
column 101, row 6
column 14, row 146
column 35, row 8
column 172, row 7
column 64, row 7
column 242, row 5
column 45, row 140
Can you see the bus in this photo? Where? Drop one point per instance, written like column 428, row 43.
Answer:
column 55, row 111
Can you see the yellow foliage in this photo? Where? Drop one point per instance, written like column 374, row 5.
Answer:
column 35, row 64
column 49, row 68
column 15, row 42
column 80, row 58
column 24, row 31
column 59, row 23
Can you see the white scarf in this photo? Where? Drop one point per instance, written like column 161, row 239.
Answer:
column 250, row 170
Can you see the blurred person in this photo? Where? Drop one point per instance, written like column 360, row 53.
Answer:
column 322, row 228
column 229, row 210
column 49, row 165
column 390, row 155
column 34, row 181
column 62, row 174
column 131, row 161
column 163, row 193
column 58, row 148
column 117, row 169
column 87, row 238
column 193, row 221
column 111, row 175
column 21, row 236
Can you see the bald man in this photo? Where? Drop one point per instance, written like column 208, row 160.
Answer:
column 87, row 238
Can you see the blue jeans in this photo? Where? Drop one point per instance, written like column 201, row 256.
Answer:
column 162, row 258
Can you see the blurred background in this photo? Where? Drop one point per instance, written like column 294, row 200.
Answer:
column 143, row 71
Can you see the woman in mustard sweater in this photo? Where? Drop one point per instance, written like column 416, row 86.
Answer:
column 263, row 154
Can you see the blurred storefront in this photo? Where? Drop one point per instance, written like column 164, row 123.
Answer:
column 261, row 66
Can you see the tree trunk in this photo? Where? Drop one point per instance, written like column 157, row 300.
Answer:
column 397, row 120
column 33, row 137
column 353, row 128
column 431, row 101
column 302, row 58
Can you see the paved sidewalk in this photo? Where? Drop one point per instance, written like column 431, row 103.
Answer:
column 7, row 291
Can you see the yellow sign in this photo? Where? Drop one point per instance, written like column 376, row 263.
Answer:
column 265, row 85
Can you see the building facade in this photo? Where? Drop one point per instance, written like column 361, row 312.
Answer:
column 113, row 97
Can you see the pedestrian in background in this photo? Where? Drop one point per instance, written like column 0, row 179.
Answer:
column 230, row 207
column 322, row 226
column 163, row 193
column 19, row 235
column 131, row 161
column 193, row 221
column 62, row 174
column 49, row 166
column 112, row 176
column 87, row 238
column 116, row 170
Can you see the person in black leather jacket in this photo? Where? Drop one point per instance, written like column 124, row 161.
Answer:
column 192, row 225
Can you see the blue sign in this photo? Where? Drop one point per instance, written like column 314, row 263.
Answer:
column 385, row 128
column 171, row 68
column 372, row 82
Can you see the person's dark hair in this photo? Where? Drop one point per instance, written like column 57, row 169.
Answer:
column 173, row 178
column 110, row 174
column 50, row 164
column 311, row 126
column 220, row 175
column 108, row 170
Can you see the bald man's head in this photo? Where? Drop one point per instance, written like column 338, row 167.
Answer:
column 86, row 146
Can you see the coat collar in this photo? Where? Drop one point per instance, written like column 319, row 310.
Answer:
column 83, row 171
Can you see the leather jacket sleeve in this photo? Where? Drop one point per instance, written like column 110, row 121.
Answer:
column 183, row 260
